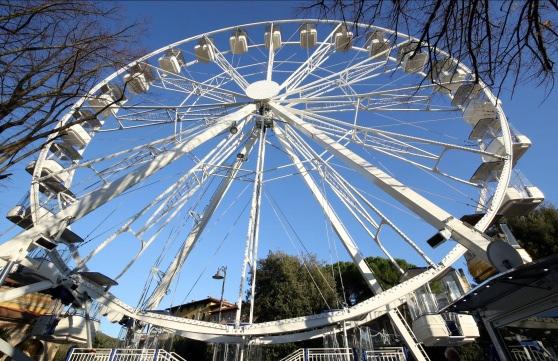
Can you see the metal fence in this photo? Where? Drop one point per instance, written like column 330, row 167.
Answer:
column 346, row 354
column 83, row 354
column 526, row 353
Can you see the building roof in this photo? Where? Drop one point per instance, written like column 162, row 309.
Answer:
column 198, row 303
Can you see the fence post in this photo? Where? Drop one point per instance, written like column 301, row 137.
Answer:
column 306, row 354
column 112, row 354
column 156, row 354
column 69, row 354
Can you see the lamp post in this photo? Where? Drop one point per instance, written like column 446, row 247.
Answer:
column 221, row 274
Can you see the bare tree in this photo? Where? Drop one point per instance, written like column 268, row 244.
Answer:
column 51, row 54
column 504, row 42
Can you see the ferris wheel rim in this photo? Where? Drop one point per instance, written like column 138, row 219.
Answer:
column 450, row 258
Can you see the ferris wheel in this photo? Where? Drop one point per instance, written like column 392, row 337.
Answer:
column 257, row 126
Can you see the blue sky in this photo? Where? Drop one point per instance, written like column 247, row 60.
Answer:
column 167, row 22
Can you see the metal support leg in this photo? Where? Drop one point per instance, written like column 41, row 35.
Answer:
column 496, row 340
column 13, row 352
column 6, row 271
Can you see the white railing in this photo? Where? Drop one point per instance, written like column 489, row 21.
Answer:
column 329, row 354
column 526, row 353
column 386, row 354
column 346, row 354
column 107, row 354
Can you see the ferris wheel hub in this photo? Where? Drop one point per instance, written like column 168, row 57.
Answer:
column 263, row 90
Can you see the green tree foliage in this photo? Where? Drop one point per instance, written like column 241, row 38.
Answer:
column 350, row 282
column 537, row 231
column 288, row 286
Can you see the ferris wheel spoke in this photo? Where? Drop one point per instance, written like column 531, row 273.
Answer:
column 170, row 201
column 147, row 115
column 355, row 73
column 402, row 139
column 440, row 219
column 343, row 234
column 174, row 268
column 95, row 199
column 352, row 198
column 271, row 54
column 183, row 191
column 318, row 57
column 223, row 63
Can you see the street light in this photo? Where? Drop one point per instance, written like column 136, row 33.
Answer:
column 221, row 274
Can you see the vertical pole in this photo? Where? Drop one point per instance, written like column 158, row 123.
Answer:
column 70, row 354
column 112, row 354
column 495, row 338
column 88, row 328
column 251, row 246
column 222, row 292
column 6, row 271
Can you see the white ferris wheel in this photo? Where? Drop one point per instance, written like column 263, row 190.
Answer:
column 261, row 125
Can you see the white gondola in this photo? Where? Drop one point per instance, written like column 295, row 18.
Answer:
column 415, row 63
column 308, row 35
column 476, row 111
column 239, row 42
column 21, row 216
column 447, row 76
column 88, row 120
column 64, row 152
column 275, row 37
column 51, row 169
column 410, row 57
column 466, row 93
column 139, row 78
column 67, row 329
column 204, row 50
column 377, row 44
column 487, row 172
column 109, row 100
column 137, row 82
column 519, row 201
column 343, row 39
column 483, row 117
column 172, row 61
column 430, row 329
column 521, row 144
column 76, row 136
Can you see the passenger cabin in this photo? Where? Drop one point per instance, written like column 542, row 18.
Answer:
column 520, row 200
column 273, row 35
column 411, row 58
column 66, row 329
column 447, row 76
column 21, row 216
column 466, row 93
column 520, row 145
column 172, row 61
column 487, row 172
column 376, row 44
column 53, row 178
column 108, row 101
column 343, row 39
column 76, row 136
column 483, row 117
column 204, row 50
column 308, row 35
column 239, row 42
column 441, row 329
